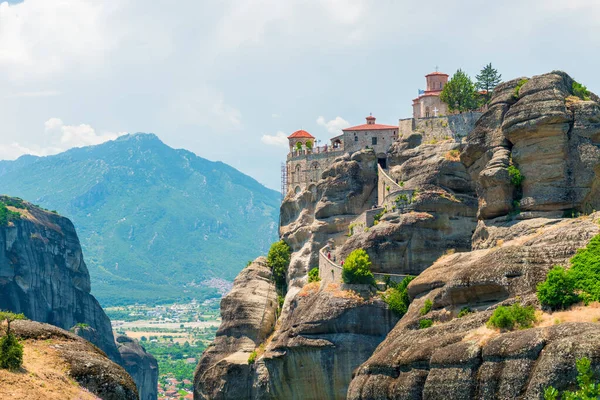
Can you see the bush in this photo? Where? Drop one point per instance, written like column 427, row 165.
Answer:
column 425, row 323
column 313, row 275
column 11, row 352
column 6, row 215
column 511, row 317
column 517, row 93
column 426, row 308
column 252, row 357
column 516, row 178
column 279, row 261
column 357, row 268
column 588, row 390
column 396, row 297
column 464, row 311
column 558, row 290
column 580, row 91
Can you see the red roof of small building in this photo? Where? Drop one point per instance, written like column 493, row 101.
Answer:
column 436, row 73
column 370, row 117
column 301, row 134
column 370, row 127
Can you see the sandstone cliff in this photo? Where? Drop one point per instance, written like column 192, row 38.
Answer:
column 43, row 275
column 142, row 367
column 60, row 365
column 454, row 216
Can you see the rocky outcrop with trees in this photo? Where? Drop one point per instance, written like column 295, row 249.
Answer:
column 482, row 223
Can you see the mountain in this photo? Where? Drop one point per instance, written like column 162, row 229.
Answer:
column 153, row 221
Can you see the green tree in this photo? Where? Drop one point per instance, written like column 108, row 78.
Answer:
column 487, row 80
column 357, row 268
column 511, row 317
column 396, row 297
column 11, row 350
column 558, row 290
column 279, row 261
column 459, row 93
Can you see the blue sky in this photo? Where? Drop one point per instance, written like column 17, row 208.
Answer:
column 229, row 79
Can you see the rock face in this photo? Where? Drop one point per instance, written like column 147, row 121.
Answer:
column 142, row 366
column 433, row 213
column 59, row 357
column 43, row 275
column 550, row 135
column 248, row 313
column 442, row 196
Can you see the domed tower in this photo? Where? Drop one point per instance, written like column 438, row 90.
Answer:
column 300, row 136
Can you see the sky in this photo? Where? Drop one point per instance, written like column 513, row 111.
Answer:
column 231, row 79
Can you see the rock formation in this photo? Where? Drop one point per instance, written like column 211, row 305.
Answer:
column 477, row 239
column 142, row 367
column 59, row 365
column 43, row 275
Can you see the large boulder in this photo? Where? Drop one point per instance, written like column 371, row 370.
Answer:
column 141, row 365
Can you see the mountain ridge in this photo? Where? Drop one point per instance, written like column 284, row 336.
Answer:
column 135, row 200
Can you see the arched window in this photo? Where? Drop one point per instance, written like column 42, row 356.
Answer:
column 427, row 112
column 298, row 178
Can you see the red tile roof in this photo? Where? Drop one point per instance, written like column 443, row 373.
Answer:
column 437, row 73
column 301, row 134
column 370, row 127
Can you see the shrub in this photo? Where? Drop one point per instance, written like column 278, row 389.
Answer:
column 464, row 311
column 378, row 216
column 516, row 178
column 298, row 146
column 558, row 290
column 7, row 215
column 516, row 94
column 585, row 270
column 580, row 91
column 309, row 144
column 426, row 307
column 396, row 297
column 252, row 357
column 313, row 275
column 278, row 260
column 587, row 390
column 357, row 268
column 512, row 316
column 11, row 352
column 425, row 323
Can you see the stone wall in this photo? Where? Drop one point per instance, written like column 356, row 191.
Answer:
column 304, row 169
column 364, row 139
column 433, row 129
column 384, row 181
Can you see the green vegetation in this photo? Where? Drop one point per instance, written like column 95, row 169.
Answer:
column 309, row 144
column 279, row 261
column 581, row 282
column 580, row 91
column 558, row 290
column 511, row 317
column 378, row 216
column 517, row 91
column 587, row 390
column 80, row 325
column 396, row 296
column 464, row 311
column 11, row 350
column 357, row 268
column 313, row 275
column 516, row 178
column 460, row 93
column 426, row 307
column 136, row 203
column 298, row 146
column 487, row 80
column 7, row 215
column 252, row 357
column 425, row 323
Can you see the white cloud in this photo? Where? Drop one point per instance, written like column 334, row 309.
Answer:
column 279, row 140
column 33, row 94
column 334, row 126
column 58, row 138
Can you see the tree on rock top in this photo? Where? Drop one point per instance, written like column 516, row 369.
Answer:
column 357, row 268
column 487, row 80
column 459, row 93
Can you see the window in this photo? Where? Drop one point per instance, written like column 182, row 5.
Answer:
column 355, row 138
column 374, row 140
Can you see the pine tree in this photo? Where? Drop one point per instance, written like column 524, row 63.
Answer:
column 459, row 93
column 487, row 80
